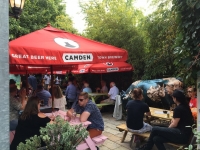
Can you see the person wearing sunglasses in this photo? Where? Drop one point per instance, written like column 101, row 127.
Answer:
column 88, row 112
column 191, row 92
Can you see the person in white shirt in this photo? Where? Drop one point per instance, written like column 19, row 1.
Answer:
column 57, row 80
column 47, row 79
column 113, row 92
column 59, row 98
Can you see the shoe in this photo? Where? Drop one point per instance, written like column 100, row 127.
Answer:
column 143, row 147
column 97, row 148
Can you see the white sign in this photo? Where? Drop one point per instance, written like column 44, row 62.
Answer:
column 81, row 70
column 67, row 43
column 69, row 57
column 112, row 69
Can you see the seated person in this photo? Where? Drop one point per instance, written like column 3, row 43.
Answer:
column 89, row 112
column 136, row 109
column 87, row 88
column 113, row 92
column 177, row 132
column 191, row 91
column 43, row 94
column 104, row 88
column 29, row 122
column 16, row 105
column 59, row 98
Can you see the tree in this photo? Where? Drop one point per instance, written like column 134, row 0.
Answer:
column 115, row 22
column 188, row 38
column 160, row 30
column 36, row 14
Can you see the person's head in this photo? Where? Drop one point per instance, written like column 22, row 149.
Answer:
column 137, row 94
column 191, row 92
column 32, row 107
column 70, row 82
column 12, row 83
column 40, row 87
column 179, row 97
column 57, row 91
column 83, row 99
column 13, row 90
column 86, row 84
column 103, row 83
column 112, row 84
column 169, row 89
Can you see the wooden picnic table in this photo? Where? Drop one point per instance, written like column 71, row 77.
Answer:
column 88, row 142
column 158, row 113
column 95, row 96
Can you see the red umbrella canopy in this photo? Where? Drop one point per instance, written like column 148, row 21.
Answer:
column 82, row 69
column 111, row 67
column 43, row 69
column 103, row 68
column 51, row 46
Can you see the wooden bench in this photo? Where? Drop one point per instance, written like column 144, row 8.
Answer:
column 123, row 127
column 92, row 143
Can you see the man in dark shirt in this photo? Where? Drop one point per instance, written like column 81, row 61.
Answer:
column 43, row 94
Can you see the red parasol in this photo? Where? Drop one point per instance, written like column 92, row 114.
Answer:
column 107, row 67
column 51, row 46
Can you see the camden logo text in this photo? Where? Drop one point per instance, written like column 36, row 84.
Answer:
column 67, row 57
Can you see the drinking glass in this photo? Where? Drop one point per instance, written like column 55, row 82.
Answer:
column 74, row 116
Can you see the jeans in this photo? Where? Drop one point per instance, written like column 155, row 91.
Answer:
column 13, row 125
column 160, row 135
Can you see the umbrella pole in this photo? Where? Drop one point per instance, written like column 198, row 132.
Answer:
column 27, row 87
column 52, row 91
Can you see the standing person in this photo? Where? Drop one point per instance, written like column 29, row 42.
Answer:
column 70, row 94
column 191, row 91
column 113, row 92
column 32, row 82
column 89, row 112
column 16, row 105
column 43, row 94
column 30, row 122
column 57, row 80
column 59, row 98
column 177, row 132
column 47, row 80
column 136, row 109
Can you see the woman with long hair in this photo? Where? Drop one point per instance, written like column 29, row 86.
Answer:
column 59, row 98
column 177, row 132
column 29, row 122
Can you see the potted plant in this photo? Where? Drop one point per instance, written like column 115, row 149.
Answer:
column 57, row 136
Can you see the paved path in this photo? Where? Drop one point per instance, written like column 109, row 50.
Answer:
column 114, row 135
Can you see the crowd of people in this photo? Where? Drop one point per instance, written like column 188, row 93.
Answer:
column 26, row 118
column 178, row 130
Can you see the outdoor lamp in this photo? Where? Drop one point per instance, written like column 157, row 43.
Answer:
column 16, row 6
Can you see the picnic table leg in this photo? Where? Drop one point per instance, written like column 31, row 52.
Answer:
column 90, row 143
column 124, row 136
